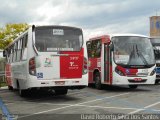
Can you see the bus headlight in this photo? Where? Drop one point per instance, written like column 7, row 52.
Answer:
column 153, row 72
column 119, row 72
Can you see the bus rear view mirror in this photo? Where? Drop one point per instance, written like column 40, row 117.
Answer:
column 111, row 46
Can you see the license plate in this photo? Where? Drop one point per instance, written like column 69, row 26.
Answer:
column 137, row 79
column 143, row 70
column 60, row 82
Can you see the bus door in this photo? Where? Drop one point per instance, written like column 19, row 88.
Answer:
column 107, row 64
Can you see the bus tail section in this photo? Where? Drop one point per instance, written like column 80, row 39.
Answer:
column 50, row 57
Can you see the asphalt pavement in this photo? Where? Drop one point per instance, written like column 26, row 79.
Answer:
column 113, row 102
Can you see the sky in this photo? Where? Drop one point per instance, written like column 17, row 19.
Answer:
column 95, row 17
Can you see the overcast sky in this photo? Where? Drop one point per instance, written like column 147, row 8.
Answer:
column 93, row 16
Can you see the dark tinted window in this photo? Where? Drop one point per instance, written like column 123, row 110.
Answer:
column 58, row 39
column 94, row 48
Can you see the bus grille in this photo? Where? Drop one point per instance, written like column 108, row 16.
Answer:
column 134, row 81
column 138, row 75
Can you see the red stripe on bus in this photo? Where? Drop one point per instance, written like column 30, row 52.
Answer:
column 71, row 65
column 8, row 74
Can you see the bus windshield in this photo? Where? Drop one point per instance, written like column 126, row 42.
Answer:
column 133, row 51
column 156, row 47
column 58, row 38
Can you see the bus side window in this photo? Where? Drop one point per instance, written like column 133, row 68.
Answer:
column 15, row 52
column 22, row 44
column 24, row 47
column 98, row 51
column 26, row 41
column 96, row 48
column 19, row 50
column 11, row 55
column 88, row 44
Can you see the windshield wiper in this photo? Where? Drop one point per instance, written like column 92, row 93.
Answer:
column 131, row 55
column 139, row 53
column 135, row 52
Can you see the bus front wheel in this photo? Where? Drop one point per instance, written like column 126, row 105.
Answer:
column 133, row 86
column 98, row 84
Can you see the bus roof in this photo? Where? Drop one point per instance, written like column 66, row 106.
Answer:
column 38, row 26
column 128, row 34
column 57, row 26
column 99, row 37
column 16, row 39
column 155, row 37
column 114, row 35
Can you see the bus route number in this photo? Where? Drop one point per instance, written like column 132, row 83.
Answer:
column 58, row 32
column 74, row 58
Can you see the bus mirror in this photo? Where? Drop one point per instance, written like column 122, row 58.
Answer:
column 33, row 27
column 111, row 46
column 88, row 45
column 4, row 53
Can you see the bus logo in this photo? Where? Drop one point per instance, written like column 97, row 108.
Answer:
column 127, row 71
column 71, row 63
column 73, row 66
column 48, row 62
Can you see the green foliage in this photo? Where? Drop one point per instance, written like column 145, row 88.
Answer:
column 2, row 83
column 10, row 32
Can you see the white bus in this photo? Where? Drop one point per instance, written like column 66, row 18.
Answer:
column 121, row 59
column 156, row 47
column 47, row 57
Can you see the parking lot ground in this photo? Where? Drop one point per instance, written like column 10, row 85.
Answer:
column 111, row 100
column 0, row 112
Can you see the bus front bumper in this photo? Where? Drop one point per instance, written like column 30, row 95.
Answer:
column 124, row 80
column 76, row 83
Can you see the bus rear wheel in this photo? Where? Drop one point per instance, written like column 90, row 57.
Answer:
column 22, row 93
column 61, row 92
column 10, row 88
column 97, row 79
column 133, row 86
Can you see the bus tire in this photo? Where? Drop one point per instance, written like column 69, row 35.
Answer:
column 157, row 81
column 10, row 88
column 22, row 93
column 61, row 92
column 97, row 79
column 133, row 86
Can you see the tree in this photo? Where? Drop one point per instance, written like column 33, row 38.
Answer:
column 10, row 32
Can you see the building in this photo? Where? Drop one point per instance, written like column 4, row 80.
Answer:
column 155, row 26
